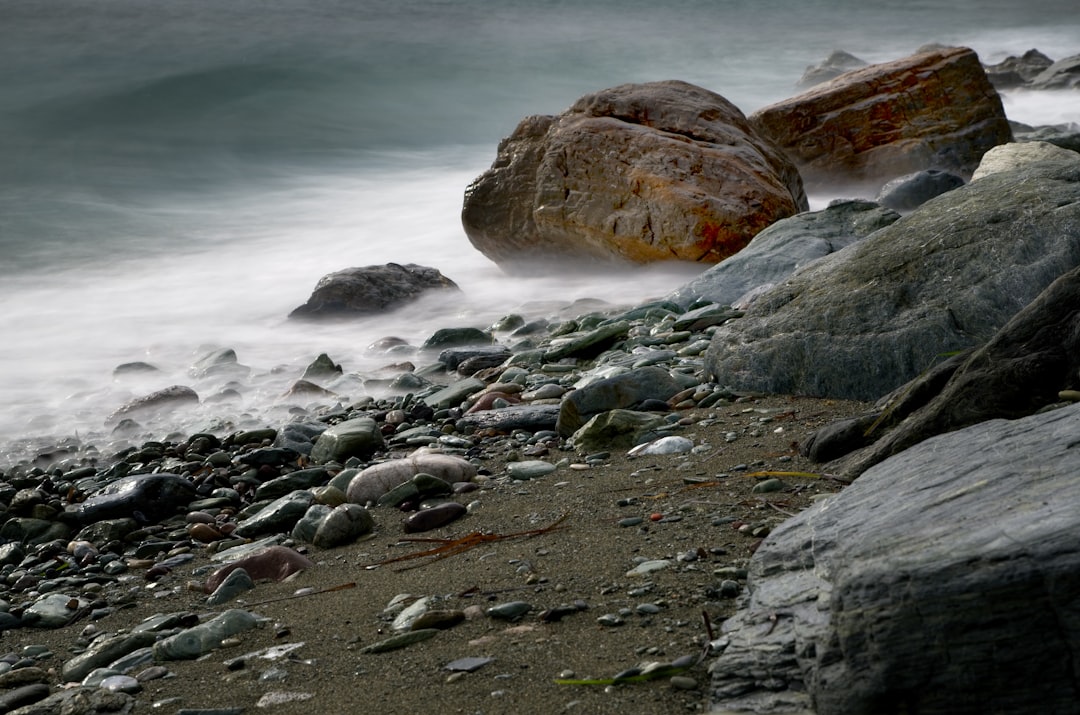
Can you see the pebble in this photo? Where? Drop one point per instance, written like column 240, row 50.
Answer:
column 511, row 611
column 254, row 499
column 648, row 567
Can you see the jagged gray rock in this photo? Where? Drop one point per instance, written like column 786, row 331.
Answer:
column 943, row 581
column 1063, row 74
column 778, row 251
column 861, row 322
column 1022, row 369
column 640, row 172
column 370, row 289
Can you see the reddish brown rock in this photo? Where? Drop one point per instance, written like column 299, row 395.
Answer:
column 275, row 563
column 933, row 110
column 640, row 173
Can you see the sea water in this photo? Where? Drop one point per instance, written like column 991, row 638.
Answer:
column 176, row 177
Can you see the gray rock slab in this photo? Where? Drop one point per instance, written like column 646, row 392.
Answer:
column 944, row 580
column 371, row 289
column 778, row 251
column 943, row 278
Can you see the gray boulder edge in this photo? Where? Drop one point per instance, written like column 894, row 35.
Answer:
column 871, row 317
column 945, row 579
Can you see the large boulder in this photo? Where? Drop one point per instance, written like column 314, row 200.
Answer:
column 371, row 289
column 782, row 248
column 1016, row 71
column 639, row 172
column 945, row 580
column 1024, row 368
column 146, row 497
column 932, row 110
column 943, row 278
column 1063, row 74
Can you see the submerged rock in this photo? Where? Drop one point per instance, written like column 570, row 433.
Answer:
column 894, row 590
column 640, row 172
column 867, row 319
column 783, row 248
column 371, row 289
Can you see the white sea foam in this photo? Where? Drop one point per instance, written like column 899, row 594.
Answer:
column 179, row 178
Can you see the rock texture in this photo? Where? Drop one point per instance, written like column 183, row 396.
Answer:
column 1022, row 369
column 873, row 316
column 1063, row 74
column 782, row 248
column 943, row 581
column 933, row 110
column 639, row 172
column 371, row 289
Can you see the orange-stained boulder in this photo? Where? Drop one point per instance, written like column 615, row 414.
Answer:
column 932, row 110
column 640, row 173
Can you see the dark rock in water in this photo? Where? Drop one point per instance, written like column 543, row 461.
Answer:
column 638, row 173
column 1021, row 370
column 623, row 391
column 305, row 389
column 784, row 247
column 942, row 582
column 146, row 497
column 865, row 320
column 371, row 289
column 906, row 193
column 220, row 364
column 492, row 355
column 832, row 66
column 1063, row 74
column 1017, row 71
column 933, row 110
column 358, row 437
column 531, row 418
column 457, row 338
column 164, row 400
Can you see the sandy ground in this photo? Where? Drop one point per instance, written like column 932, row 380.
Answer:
column 692, row 507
